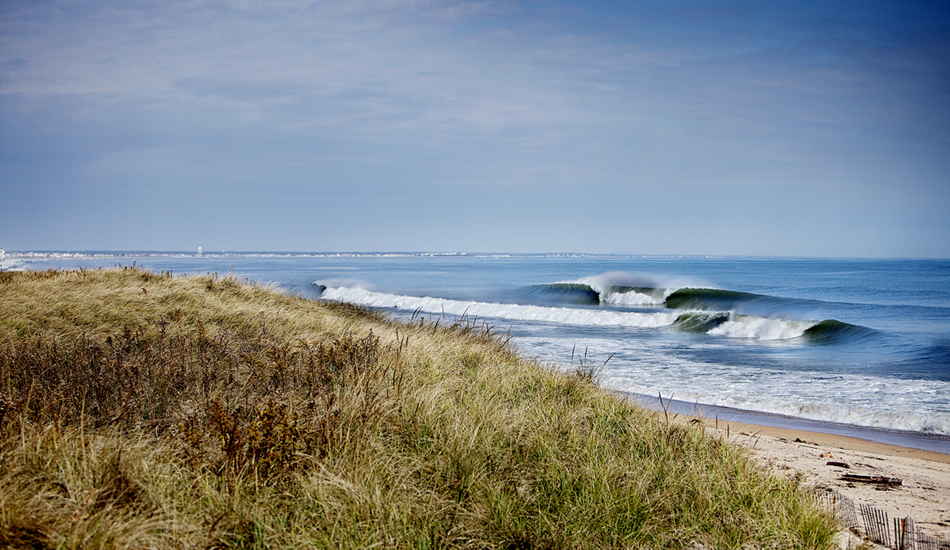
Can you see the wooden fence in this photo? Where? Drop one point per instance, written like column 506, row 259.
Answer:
column 898, row 534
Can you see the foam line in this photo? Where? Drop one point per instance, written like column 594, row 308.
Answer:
column 559, row 315
column 736, row 326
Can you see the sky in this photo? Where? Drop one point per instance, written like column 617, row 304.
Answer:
column 807, row 128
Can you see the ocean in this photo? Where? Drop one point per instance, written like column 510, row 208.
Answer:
column 861, row 346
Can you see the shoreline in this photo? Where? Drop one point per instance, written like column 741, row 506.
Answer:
column 812, row 453
column 816, row 460
column 936, row 444
column 825, row 440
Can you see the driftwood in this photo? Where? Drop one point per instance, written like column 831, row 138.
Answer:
column 880, row 480
column 839, row 464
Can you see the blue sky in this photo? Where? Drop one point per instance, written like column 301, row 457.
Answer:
column 799, row 128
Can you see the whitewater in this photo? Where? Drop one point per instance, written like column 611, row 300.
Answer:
column 735, row 326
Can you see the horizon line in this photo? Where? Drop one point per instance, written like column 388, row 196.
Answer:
column 21, row 254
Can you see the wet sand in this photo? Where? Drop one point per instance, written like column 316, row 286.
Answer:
column 899, row 438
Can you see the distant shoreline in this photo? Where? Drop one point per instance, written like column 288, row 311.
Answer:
column 54, row 254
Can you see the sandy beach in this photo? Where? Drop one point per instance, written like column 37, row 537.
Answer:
column 924, row 493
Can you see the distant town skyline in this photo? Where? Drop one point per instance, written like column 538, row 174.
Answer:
column 678, row 128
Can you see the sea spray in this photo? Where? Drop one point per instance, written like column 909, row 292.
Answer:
column 733, row 326
column 554, row 315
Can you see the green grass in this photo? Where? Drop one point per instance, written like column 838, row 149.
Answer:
column 141, row 410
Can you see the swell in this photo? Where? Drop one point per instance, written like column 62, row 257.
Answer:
column 722, row 323
column 581, row 293
column 700, row 322
column 831, row 331
column 693, row 298
column 566, row 293
column 512, row 311
column 717, row 299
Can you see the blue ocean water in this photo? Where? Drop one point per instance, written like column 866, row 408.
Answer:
column 859, row 342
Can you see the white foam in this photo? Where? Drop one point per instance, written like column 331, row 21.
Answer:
column 759, row 328
column 862, row 400
column 339, row 282
column 9, row 264
column 559, row 315
column 632, row 299
column 663, row 287
column 645, row 366
column 739, row 326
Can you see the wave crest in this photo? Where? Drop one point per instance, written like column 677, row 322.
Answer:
column 717, row 324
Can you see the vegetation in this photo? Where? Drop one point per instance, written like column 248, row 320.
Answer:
column 144, row 410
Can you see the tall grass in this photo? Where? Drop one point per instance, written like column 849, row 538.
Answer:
column 142, row 410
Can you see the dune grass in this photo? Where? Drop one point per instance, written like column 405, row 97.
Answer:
column 144, row 410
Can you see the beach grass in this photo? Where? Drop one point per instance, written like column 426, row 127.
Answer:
column 146, row 410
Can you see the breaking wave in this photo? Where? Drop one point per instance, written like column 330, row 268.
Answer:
column 723, row 323
column 558, row 315
column 693, row 298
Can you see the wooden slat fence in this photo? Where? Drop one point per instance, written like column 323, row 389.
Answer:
column 876, row 525
column 899, row 534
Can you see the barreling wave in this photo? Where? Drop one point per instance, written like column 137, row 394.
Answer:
column 761, row 328
column 672, row 298
column 716, row 299
column 518, row 312
column 714, row 323
column 620, row 288
column 580, row 293
column 614, row 288
column 831, row 331
column 747, row 326
column 567, row 293
column 633, row 290
column 686, row 298
column 700, row 322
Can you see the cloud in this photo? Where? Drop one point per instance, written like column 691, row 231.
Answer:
column 440, row 99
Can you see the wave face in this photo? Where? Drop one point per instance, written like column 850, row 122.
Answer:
column 515, row 312
column 562, row 293
column 712, row 311
column 715, row 299
column 827, row 332
column 630, row 289
column 700, row 322
column 585, row 294
column 745, row 326
column 637, row 291
column 725, row 324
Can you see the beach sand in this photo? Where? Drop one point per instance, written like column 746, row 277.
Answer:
column 923, row 495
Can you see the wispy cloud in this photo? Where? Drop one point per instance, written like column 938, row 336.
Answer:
column 628, row 100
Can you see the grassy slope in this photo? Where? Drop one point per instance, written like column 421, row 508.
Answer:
column 143, row 410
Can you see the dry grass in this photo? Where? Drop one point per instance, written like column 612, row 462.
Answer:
column 141, row 410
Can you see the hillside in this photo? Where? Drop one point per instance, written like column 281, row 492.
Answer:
column 145, row 410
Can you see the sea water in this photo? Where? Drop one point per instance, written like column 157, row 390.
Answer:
column 859, row 342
